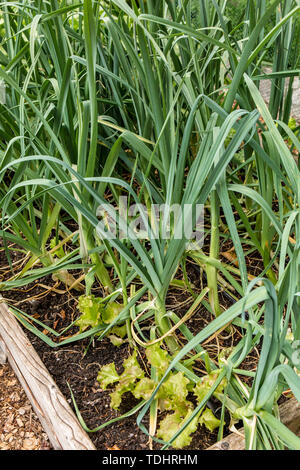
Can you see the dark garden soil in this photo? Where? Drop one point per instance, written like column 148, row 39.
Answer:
column 77, row 364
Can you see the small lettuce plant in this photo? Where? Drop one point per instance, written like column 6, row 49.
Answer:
column 172, row 396
column 96, row 312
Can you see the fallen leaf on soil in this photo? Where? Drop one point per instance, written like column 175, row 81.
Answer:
column 62, row 313
column 231, row 257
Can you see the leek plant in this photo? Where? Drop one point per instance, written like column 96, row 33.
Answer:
column 112, row 99
column 52, row 110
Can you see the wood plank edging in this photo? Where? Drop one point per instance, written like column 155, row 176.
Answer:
column 54, row 412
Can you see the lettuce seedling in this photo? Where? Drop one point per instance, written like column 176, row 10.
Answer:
column 172, row 396
column 95, row 312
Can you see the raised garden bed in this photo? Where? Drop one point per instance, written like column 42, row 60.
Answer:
column 150, row 223
column 77, row 364
column 53, row 410
column 48, row 402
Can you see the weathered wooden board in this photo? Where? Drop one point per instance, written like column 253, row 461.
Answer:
column 289, row 414
column 3, row 355
column 51, row 407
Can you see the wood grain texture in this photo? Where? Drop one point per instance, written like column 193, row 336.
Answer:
column 51, row 407
column 3, row 355
column 289, row 414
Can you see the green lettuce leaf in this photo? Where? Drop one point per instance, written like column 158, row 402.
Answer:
column 144, row 388
column 116, row 340
column 170, row 425
column 107, row 375
column 172, row 394
column 111, row 311
column 132, row 372
column 90, row 307
column 116, row 395
column 209, row 420
column 205, row 384
column 158, row 357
